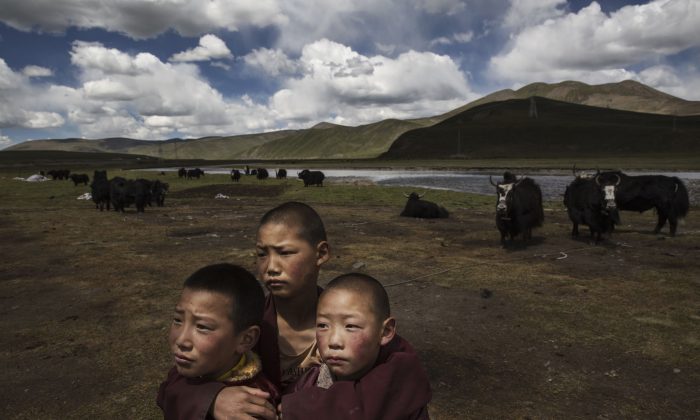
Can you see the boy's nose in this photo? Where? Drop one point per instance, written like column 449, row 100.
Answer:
column 273, row 266
column 335, row 340
column 183, row 340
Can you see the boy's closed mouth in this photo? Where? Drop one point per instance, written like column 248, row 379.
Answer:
column 182, row 360
column 275, row 283
column 335, row 361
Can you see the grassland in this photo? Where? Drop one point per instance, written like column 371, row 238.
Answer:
column 570, row 330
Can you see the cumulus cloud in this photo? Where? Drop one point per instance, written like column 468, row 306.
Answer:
column 5, row 141
column 595, row 47
column 338, row 81
column 141, row 19
column 525, row 13
column 271, row 62
column 36, row 71
column 210, row 47
column 458, row 38
column 18, row 103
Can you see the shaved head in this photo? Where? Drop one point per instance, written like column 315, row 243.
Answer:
column 367, row 286
column 299, row 216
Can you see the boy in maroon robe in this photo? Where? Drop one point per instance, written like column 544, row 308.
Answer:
column 215, row 326
column 291, row 248
column 353, row 326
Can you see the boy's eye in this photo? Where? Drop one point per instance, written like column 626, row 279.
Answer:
column 352, row 327
column 204, row 327
column 321, row 326
column 177, row 321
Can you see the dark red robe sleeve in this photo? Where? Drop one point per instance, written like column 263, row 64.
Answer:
column 180, row 398
column 396, row 388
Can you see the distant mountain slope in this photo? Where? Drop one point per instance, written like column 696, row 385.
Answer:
column 513, row 128
column 334, row 141
column 203, row 148
column 326, row 140
column 627, row 95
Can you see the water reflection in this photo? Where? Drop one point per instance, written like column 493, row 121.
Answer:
column 552, row 184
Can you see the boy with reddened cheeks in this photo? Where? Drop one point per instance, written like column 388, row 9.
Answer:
column 354, row 330
column 215, row 326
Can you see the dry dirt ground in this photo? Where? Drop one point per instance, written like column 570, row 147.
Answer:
column 557, row 329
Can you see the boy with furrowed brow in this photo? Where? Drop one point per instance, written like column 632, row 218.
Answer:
column 291, row 248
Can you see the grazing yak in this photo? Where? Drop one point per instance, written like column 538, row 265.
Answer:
column 281, row 174
column 158, row 192
column 124, row 193
column 181, row 173
column 79, row 179
column 312, row 177
column 416, row 207
column 590, row 201
column 666, row 194
column 59, row 174
column 235, row 175
column 262, row 174
column 518, row 207
column 194, row 173
column 100, row 190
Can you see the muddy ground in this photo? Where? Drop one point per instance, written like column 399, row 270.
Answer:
column 558, row 329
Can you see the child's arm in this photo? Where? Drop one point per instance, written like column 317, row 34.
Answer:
column 396, row 388
column 242, row 402
column 183, row 399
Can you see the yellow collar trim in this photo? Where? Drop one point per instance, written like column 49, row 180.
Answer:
column 245, row 369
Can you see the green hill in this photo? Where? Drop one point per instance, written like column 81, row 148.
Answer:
column 550, row 128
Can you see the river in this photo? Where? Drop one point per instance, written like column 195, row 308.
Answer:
column 552, row 183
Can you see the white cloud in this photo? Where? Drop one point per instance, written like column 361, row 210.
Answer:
column 524, row 13
column 141, row 19
column 271, row 62
column 210, row 47
column 19, row 104
column 338, row 81
column 4, row 140
column 594, row 47
column 458, row 38
column 36, row 71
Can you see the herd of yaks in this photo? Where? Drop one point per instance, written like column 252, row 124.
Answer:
column 591, row 199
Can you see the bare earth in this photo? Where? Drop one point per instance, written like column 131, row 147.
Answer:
column 558, row 329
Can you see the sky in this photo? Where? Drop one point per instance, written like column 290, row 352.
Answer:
column 159, row 69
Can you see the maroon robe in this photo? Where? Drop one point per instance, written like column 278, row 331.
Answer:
column 396, row 388
column 195, row 399
column 175, row 408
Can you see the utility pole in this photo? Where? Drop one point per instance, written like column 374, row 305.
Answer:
column 533, row 108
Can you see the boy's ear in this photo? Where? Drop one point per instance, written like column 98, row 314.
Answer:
column 388, row 330
column 247, row 339
column 323, row 253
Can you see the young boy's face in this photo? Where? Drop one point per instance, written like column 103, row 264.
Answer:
column 349, row 333
column 202, row 337
column 288, row 264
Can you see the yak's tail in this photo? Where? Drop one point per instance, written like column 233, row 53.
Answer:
column 680, row 202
